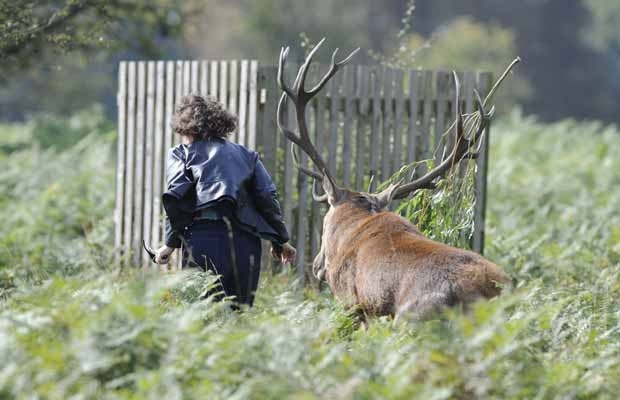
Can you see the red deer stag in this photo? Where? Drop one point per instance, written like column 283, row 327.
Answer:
column 375, row 259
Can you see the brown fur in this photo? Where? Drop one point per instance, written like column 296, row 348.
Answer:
column 380, row 262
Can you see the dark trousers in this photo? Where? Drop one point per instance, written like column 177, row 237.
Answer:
column 208, row 245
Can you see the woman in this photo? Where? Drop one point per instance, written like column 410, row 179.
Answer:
column 220, row 200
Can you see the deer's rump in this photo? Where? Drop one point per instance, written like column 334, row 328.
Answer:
column 404, row 272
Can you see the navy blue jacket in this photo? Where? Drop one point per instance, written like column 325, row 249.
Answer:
column 213, row 171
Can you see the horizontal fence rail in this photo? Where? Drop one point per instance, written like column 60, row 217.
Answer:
column 369, row 121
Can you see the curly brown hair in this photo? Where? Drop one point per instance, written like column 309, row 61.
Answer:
column 203, row 117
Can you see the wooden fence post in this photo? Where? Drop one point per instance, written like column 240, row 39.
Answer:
column 121, row 166
column 480, row 180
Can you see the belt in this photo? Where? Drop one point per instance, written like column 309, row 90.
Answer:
column 209, row 214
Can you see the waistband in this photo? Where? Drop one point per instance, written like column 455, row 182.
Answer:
column 214, row 213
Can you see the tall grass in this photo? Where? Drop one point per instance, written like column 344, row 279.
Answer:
column 85, row 332
column 55, row 203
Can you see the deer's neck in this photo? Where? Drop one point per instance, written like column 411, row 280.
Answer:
column 341, row 221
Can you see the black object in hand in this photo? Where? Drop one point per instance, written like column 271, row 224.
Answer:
column 149, row 251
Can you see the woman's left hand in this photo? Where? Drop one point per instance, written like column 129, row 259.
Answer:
column 163, row 254
column 288, row 253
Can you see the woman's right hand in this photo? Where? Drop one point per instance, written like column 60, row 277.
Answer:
column 163, row 254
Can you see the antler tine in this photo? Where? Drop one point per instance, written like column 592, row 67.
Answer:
column 281, row 80
column 303, row 70
column 349, row 57
column 307, row 171
column 321, row 198
column 334, row 67
column 292, row 136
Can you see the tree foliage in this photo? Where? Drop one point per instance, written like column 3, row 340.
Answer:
column 34, row 29
column 604, row 27
column 273, row 23
column 466, row 45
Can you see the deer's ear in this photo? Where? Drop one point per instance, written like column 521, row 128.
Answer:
column 385, row 197
column 334, row 193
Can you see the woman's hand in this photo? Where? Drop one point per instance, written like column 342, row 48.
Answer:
column 163, row 254
column 285, row 253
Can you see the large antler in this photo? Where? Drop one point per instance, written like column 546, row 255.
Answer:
column 301, row 97
column 464, row 146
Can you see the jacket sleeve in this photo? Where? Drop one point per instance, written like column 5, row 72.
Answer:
column 266, row 199
column 178, row 199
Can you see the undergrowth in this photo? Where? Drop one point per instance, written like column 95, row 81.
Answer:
column 70, row 327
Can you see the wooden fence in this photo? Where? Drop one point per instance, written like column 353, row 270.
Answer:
column 368, row 121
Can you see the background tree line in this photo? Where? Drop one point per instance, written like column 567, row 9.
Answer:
column 69, row 49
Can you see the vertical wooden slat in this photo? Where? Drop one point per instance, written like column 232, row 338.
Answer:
column 233, row 89
column 129, row 176
column 398, row 120
column 183, row 89
column 288, row 166
column 213, row 69
column 253, row 104
column 269, row 130
column 204, row 78
column 413, row 131
column 302, row 217
column 480, row 181
column 333, row 87
column 267, row 142
column 169, row 106
column 243, row 103
column 158, row 154
column 187, row 77
column 442, row 94
column 375, row 151
column 179, row 90
column 348, row 133
column 195, row 78
column 147, row 216
column 179, row 81
column 139, row 166
column 223, row 94
column 169, row 110
column 451, row 113
column 468, row 83
column 320, row 112
column 467, row 91
column 121, row 166
column 362, row 122
column 173, row 93
column 386, row 137
column 427, row 113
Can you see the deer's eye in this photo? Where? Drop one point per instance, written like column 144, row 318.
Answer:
column 363, row 201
